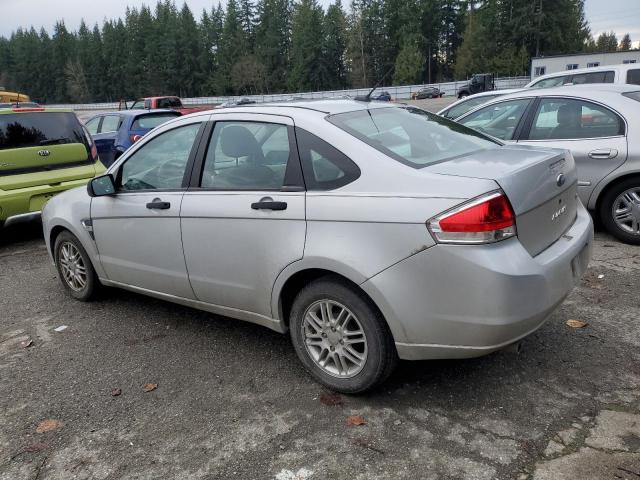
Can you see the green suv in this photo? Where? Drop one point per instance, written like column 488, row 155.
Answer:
column 42, row 152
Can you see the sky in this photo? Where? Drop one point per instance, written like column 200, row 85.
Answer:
column 621, row 16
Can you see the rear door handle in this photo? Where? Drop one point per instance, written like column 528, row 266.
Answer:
column 158, row 204
column 603, row 153
column 269, row 205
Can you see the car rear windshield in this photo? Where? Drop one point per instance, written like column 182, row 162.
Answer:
column 633, row 95
column 35, row 129
column 147, row 122
column 412, row 136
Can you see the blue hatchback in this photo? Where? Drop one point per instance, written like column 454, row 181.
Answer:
column 114, row 132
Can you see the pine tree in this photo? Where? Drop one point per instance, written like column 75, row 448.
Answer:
column 335, row 46
column 308, row 69
column 625, row 44
column 607, row 42
column 273, row 40
column 409, row 64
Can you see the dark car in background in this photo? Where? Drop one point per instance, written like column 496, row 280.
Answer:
column 113, row 133
column 428, row 92
column 382, row 97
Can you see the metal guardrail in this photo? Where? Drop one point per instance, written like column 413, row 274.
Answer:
column 403, row 92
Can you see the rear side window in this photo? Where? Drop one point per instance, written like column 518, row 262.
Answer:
column 633, row 76
column 566, row 119
column 633, row 95
column 171, row 102
column 147, row 122
column 35, row 129
column 593, row 77
column 110, row 124
column 324, row 166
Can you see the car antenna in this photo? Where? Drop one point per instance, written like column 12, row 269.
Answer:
column 367, row 97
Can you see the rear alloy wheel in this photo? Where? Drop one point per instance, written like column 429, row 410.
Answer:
column 620, row 211
column 341, row 339
column 74, row 267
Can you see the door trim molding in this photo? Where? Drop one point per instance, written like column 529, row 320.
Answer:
column 235, row 313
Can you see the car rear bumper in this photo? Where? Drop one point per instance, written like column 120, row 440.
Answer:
column 458, row 301
column 21, row 203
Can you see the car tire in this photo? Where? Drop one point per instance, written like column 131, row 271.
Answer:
column 353, row 362
column 624, row 194
column 74, row 268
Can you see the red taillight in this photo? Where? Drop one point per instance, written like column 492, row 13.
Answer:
column 27, row 109
column 483, row 220
column 135, row 138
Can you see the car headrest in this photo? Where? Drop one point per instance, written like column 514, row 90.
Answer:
column 569, row 115
column 237, row 141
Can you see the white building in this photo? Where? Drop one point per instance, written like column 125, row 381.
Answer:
column 560, row 63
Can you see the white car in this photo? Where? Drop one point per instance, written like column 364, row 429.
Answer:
column 466, row 104
column 620, row 74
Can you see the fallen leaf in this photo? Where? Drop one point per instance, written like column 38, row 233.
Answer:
column 115, row 392
column 48, row 425
column 576, row 323
column 61, row 328
column 150, row 387
column 331, row 399
column 355, row 420
column 26, row 343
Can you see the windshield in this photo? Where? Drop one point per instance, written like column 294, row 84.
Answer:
column 466, row 106
column 37, row 129
column 147, row 122
column 412, row 136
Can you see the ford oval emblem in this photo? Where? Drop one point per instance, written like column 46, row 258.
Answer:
column 560, row 180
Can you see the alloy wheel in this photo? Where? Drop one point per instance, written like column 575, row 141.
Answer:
column 72, row 266
column 334, row 338
column 626, row 211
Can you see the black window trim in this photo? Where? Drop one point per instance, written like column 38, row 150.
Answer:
column 293, row 177
column 526, row 132
column 195, row 149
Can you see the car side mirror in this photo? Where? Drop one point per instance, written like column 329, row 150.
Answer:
column 101, row 186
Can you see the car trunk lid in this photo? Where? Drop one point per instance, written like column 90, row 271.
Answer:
column 541, row 185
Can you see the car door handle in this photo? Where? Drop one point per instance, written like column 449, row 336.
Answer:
column 269, row 205
column 157, row 204
column 603, row 153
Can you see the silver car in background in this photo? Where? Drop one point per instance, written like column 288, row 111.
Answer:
column 466, row 104
column 600, row 124
column 368, row 231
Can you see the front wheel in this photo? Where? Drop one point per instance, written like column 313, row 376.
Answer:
column 620, row 211
column 340, row 337
column 74, row 267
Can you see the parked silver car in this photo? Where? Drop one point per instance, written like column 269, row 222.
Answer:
column 368, row 231
column 600, row 124
column 468, row 103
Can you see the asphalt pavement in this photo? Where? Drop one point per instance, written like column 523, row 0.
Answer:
column 137, row 388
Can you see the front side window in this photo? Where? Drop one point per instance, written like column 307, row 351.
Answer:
column 161, row 162
column 138, row 105
column 566, row 119
column 499, row 120
column 246, row 156
column 92, row 125
column 110, row 123
column 410, row 135
column 467, row 105
column 633, row 76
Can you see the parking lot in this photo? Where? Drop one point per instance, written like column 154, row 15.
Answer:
column 230, row 400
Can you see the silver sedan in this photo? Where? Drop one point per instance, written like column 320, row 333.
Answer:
column 600, row 124
column 369, row 232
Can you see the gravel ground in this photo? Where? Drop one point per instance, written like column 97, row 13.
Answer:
column 232, row 400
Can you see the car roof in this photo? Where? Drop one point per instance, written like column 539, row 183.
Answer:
column 327, row 106
column 13, row 109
